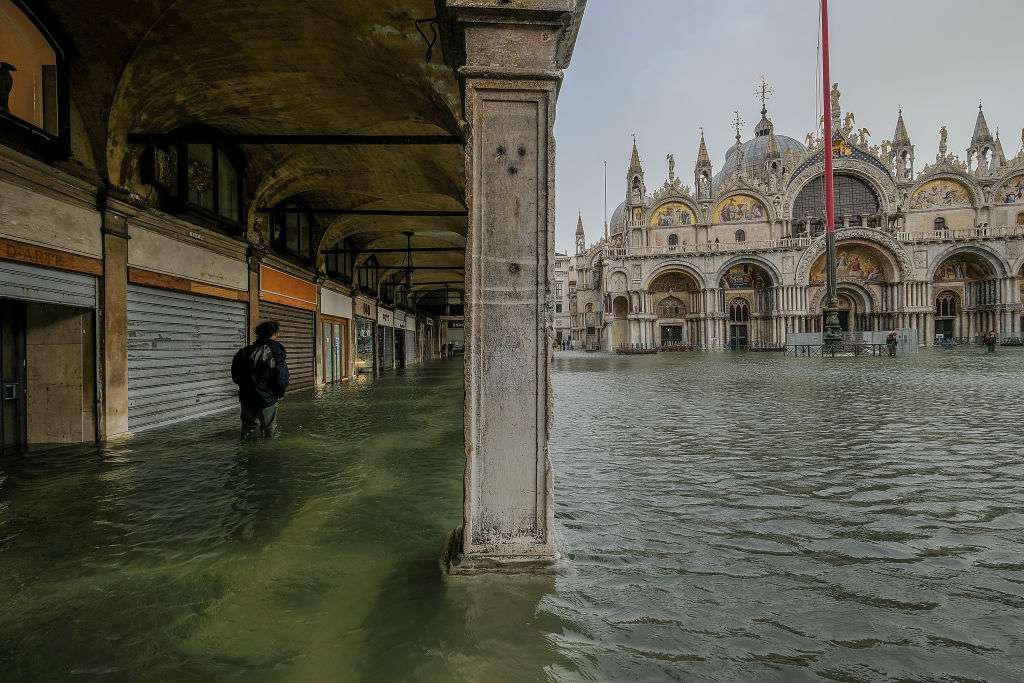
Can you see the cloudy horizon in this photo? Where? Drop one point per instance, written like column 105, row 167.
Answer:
column 674, row 67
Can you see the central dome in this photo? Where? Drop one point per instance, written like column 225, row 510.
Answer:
column 755, row 153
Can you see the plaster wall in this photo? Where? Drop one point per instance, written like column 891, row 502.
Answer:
column 35, row 218
column 161, row 254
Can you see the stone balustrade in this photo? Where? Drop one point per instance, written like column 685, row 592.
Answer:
column 707, row 248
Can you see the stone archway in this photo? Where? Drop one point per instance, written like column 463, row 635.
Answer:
column 675, row 297
column 748, row 283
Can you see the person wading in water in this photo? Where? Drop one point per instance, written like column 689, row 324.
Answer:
column 261, row 372
column 891, row 342
column 991, row 339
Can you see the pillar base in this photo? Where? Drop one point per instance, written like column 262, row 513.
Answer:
column 539, row 560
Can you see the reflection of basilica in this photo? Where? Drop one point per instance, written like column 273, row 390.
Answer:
column 739, row 261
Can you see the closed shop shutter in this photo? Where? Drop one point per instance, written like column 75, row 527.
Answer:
column 180, row 348
column 31, row 283
column 298, row 339
column 386, row 347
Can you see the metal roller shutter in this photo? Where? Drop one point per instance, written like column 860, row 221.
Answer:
column 180, row 348
column 386, row 347
column 31, row 283
column 298, row 339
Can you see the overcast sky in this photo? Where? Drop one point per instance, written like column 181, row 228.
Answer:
column 664, row 68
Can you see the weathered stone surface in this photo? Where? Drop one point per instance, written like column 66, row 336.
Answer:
column 512, row 78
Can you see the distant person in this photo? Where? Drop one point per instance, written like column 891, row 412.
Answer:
column 990, row 341
column 891, row 342
column 261, row 372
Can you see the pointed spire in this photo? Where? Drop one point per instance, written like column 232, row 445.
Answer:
column 900, row 137
column 981, row 132
column 702, row 152
column 997, row 151
column 581, row 239
column 634, row 162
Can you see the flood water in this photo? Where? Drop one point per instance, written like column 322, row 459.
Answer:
column 727, row 516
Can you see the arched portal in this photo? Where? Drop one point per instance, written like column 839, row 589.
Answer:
column 854, row 309
column 675, row 295
column 747, row 297
column 866, row 272
column 739, row 323
column 947, row 311
column 968, row 298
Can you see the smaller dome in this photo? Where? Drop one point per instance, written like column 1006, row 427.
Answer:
column 618, row 221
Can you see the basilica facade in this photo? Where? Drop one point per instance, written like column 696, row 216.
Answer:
column 737, row 261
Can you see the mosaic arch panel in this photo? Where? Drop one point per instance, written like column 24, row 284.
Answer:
column 963, row 268
column 673, row 281
column 739, row 207
column 746, row 276
column 1013, row 192
column 853, row 262
column 941, row 193
column 672, row 214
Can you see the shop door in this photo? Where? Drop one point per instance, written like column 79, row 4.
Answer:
column 12, row 375
column 328, row 353
column 400, row 348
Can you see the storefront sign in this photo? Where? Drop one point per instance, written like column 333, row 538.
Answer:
column 287, row 290
column 335, row 303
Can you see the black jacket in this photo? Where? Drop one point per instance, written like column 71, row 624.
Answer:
column 261, row 372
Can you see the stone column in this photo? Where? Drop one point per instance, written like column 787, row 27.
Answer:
column 114, row 323
column 514, row 56
column 318, row 334
column 254, row 257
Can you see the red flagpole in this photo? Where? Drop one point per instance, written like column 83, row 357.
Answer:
column 830, row 219
column 831, row 332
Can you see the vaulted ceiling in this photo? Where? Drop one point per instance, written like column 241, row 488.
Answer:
column 281, row 67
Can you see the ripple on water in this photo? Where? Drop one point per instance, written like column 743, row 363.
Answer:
column 752, row 516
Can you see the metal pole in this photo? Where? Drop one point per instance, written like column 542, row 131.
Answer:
column 606, row 201
column 831, row 334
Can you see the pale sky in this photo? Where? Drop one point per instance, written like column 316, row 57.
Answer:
column 664, row 68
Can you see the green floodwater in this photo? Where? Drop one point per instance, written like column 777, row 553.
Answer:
column 727, row 517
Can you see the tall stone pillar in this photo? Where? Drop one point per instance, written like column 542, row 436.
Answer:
column 254, row 259
column 114, row 320
column 514, row 56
